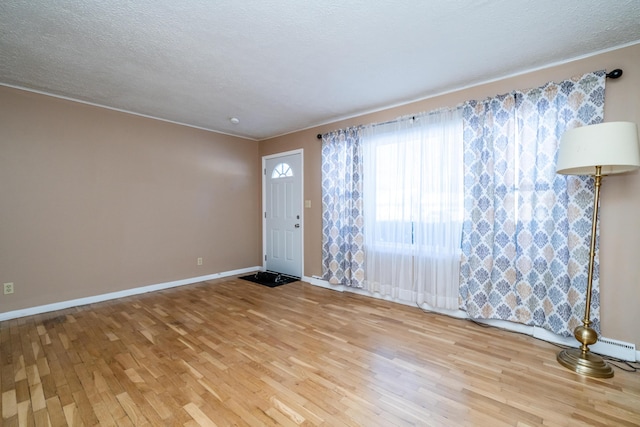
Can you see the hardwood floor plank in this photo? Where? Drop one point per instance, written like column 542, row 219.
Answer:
column 25, row 414
column 55, row 412
column 229, row 352
column 9, row 404
column 41, row 418
column 103, row 413
column 131, row 409
column 198, row 416
column 83, row 408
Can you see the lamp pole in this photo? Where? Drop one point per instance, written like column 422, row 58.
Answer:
column 581, row 360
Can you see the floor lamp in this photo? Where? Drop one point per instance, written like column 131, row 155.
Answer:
column 598, row 150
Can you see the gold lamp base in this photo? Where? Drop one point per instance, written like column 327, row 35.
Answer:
column 588, row 364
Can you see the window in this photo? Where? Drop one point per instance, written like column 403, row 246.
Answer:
column 413, row 184
column 405, row 191
column 282, row 170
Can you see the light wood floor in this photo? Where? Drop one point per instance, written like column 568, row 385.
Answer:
column 230, row 352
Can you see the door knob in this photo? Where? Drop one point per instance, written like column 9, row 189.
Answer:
column 297, row 226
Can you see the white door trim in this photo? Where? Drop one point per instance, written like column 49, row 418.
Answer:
column 264, row 205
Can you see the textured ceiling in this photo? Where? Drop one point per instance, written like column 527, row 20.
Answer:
column 285, row 65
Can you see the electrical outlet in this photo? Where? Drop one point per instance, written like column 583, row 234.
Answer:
column 8, row 288
column 199, row 261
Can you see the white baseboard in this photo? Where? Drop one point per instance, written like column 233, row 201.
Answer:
column 120, row 294
column 317, row 281
column 605, row 346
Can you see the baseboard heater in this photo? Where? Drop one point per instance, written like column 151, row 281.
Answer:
column 605, row 346
column 614, row 348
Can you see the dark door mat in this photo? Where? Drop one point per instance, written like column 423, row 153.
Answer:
column 270, row 279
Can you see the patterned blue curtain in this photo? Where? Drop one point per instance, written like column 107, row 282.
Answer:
column 526, row 229
column 342, row 221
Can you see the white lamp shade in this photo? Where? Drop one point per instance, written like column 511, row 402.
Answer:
column 612, row 145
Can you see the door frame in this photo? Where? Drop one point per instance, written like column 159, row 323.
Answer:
column 264, row 205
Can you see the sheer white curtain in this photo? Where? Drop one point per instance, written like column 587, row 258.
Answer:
column 413, row 200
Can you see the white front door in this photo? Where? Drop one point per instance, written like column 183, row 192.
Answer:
column 283, row 213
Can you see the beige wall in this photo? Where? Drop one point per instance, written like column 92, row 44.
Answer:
column 94, row 201
column 620, row 218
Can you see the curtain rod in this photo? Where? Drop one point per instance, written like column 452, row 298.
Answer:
column 613, row 74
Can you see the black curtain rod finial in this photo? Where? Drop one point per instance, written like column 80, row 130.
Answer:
column 615, row 74
column 319, row 136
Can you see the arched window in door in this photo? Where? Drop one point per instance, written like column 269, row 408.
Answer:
column 282, row 170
